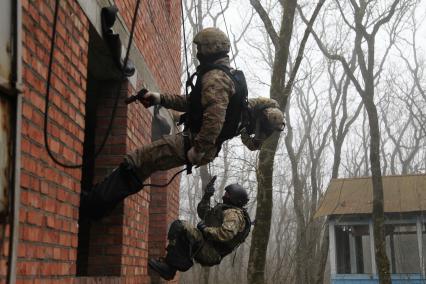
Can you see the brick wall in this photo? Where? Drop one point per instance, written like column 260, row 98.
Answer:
column 50, row 194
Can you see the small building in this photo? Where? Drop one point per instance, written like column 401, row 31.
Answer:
column 348, row 205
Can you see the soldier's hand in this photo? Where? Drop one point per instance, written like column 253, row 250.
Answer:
column 209, row 191
column 194, row 157
column 150, row 99
column 201, row 226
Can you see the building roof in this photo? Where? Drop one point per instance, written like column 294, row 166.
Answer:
column 355, row 195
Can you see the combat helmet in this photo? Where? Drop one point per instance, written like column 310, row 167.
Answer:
column 235, row 195
column 274, row 118
column 212, row 41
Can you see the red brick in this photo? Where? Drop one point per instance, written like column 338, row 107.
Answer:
column 50, row 205
column 34, row 217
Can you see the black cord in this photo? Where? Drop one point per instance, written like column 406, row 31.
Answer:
column 166, row 184
column 49, row 75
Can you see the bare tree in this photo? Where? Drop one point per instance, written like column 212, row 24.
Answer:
column 280, row 91
column 366, row 28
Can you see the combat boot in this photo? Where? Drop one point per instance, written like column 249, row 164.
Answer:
column 166, row 271
column 105, row 195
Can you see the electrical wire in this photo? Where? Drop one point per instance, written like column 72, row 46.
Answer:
column 49, row 75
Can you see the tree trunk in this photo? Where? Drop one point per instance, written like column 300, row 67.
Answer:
column 260, row 235
column 378, row 208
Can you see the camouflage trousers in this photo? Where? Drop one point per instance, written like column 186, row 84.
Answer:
column 166, row 153
column 189, row 244
column 163, row 154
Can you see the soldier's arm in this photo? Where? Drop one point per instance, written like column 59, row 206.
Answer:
column 178, row 103
column 251, row 143
column 233, row 221
column 217, row 87
column 203, row 207
column 263, row 102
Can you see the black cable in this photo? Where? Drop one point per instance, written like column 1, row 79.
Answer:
column 166, row 184
column 49, row 75
column 184, row 42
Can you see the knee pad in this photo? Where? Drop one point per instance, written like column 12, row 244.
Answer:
column 176, row 229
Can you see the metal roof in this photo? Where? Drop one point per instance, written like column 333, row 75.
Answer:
column 354, row 195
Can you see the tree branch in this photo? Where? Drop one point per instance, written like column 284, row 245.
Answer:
column 266, row 21
column 301, row 50
column 385, row 19
column 338, row 57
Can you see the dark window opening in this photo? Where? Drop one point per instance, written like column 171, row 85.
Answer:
column 98, row 241
column 87, row 175
column 353, row 253
column 6, row 153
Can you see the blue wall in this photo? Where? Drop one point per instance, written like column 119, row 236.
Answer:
column 370, row 279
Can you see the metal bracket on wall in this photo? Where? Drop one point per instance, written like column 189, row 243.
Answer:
column 108, row 18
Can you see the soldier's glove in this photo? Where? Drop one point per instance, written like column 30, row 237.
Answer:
column 201, row 226
column 150, row 99
column 194, row 157
column 209, row 191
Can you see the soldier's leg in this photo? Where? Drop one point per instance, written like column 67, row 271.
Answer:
column 128, row 178
column 207, row 255
column 163, row 154
column 187, row 242
column 184, row 241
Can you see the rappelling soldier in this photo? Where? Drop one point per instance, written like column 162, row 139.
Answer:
column 221, row 230
column 216, row 110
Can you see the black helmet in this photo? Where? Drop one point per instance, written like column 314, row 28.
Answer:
column 235, row 195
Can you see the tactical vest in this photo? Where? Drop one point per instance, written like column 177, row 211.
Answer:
column 214, row 218
column 236, row 106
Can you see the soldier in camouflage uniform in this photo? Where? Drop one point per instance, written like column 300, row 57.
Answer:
column 212, row 115
column 264, row 117
column 221, row 230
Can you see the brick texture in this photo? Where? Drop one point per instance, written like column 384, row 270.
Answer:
column 50, row 194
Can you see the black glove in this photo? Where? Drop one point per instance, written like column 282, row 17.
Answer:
column 209, row 191
column 201, row 226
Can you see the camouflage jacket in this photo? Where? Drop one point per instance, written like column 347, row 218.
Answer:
column 222, row 225
column 254, row 138
column 217, row 88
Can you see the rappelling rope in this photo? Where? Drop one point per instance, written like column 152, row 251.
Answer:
column 227, row 33
column 49, row 75
column 185, row 50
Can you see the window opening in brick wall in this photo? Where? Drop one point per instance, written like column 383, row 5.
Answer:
column 6, row 154
column 87, row 175
column 98, row 252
